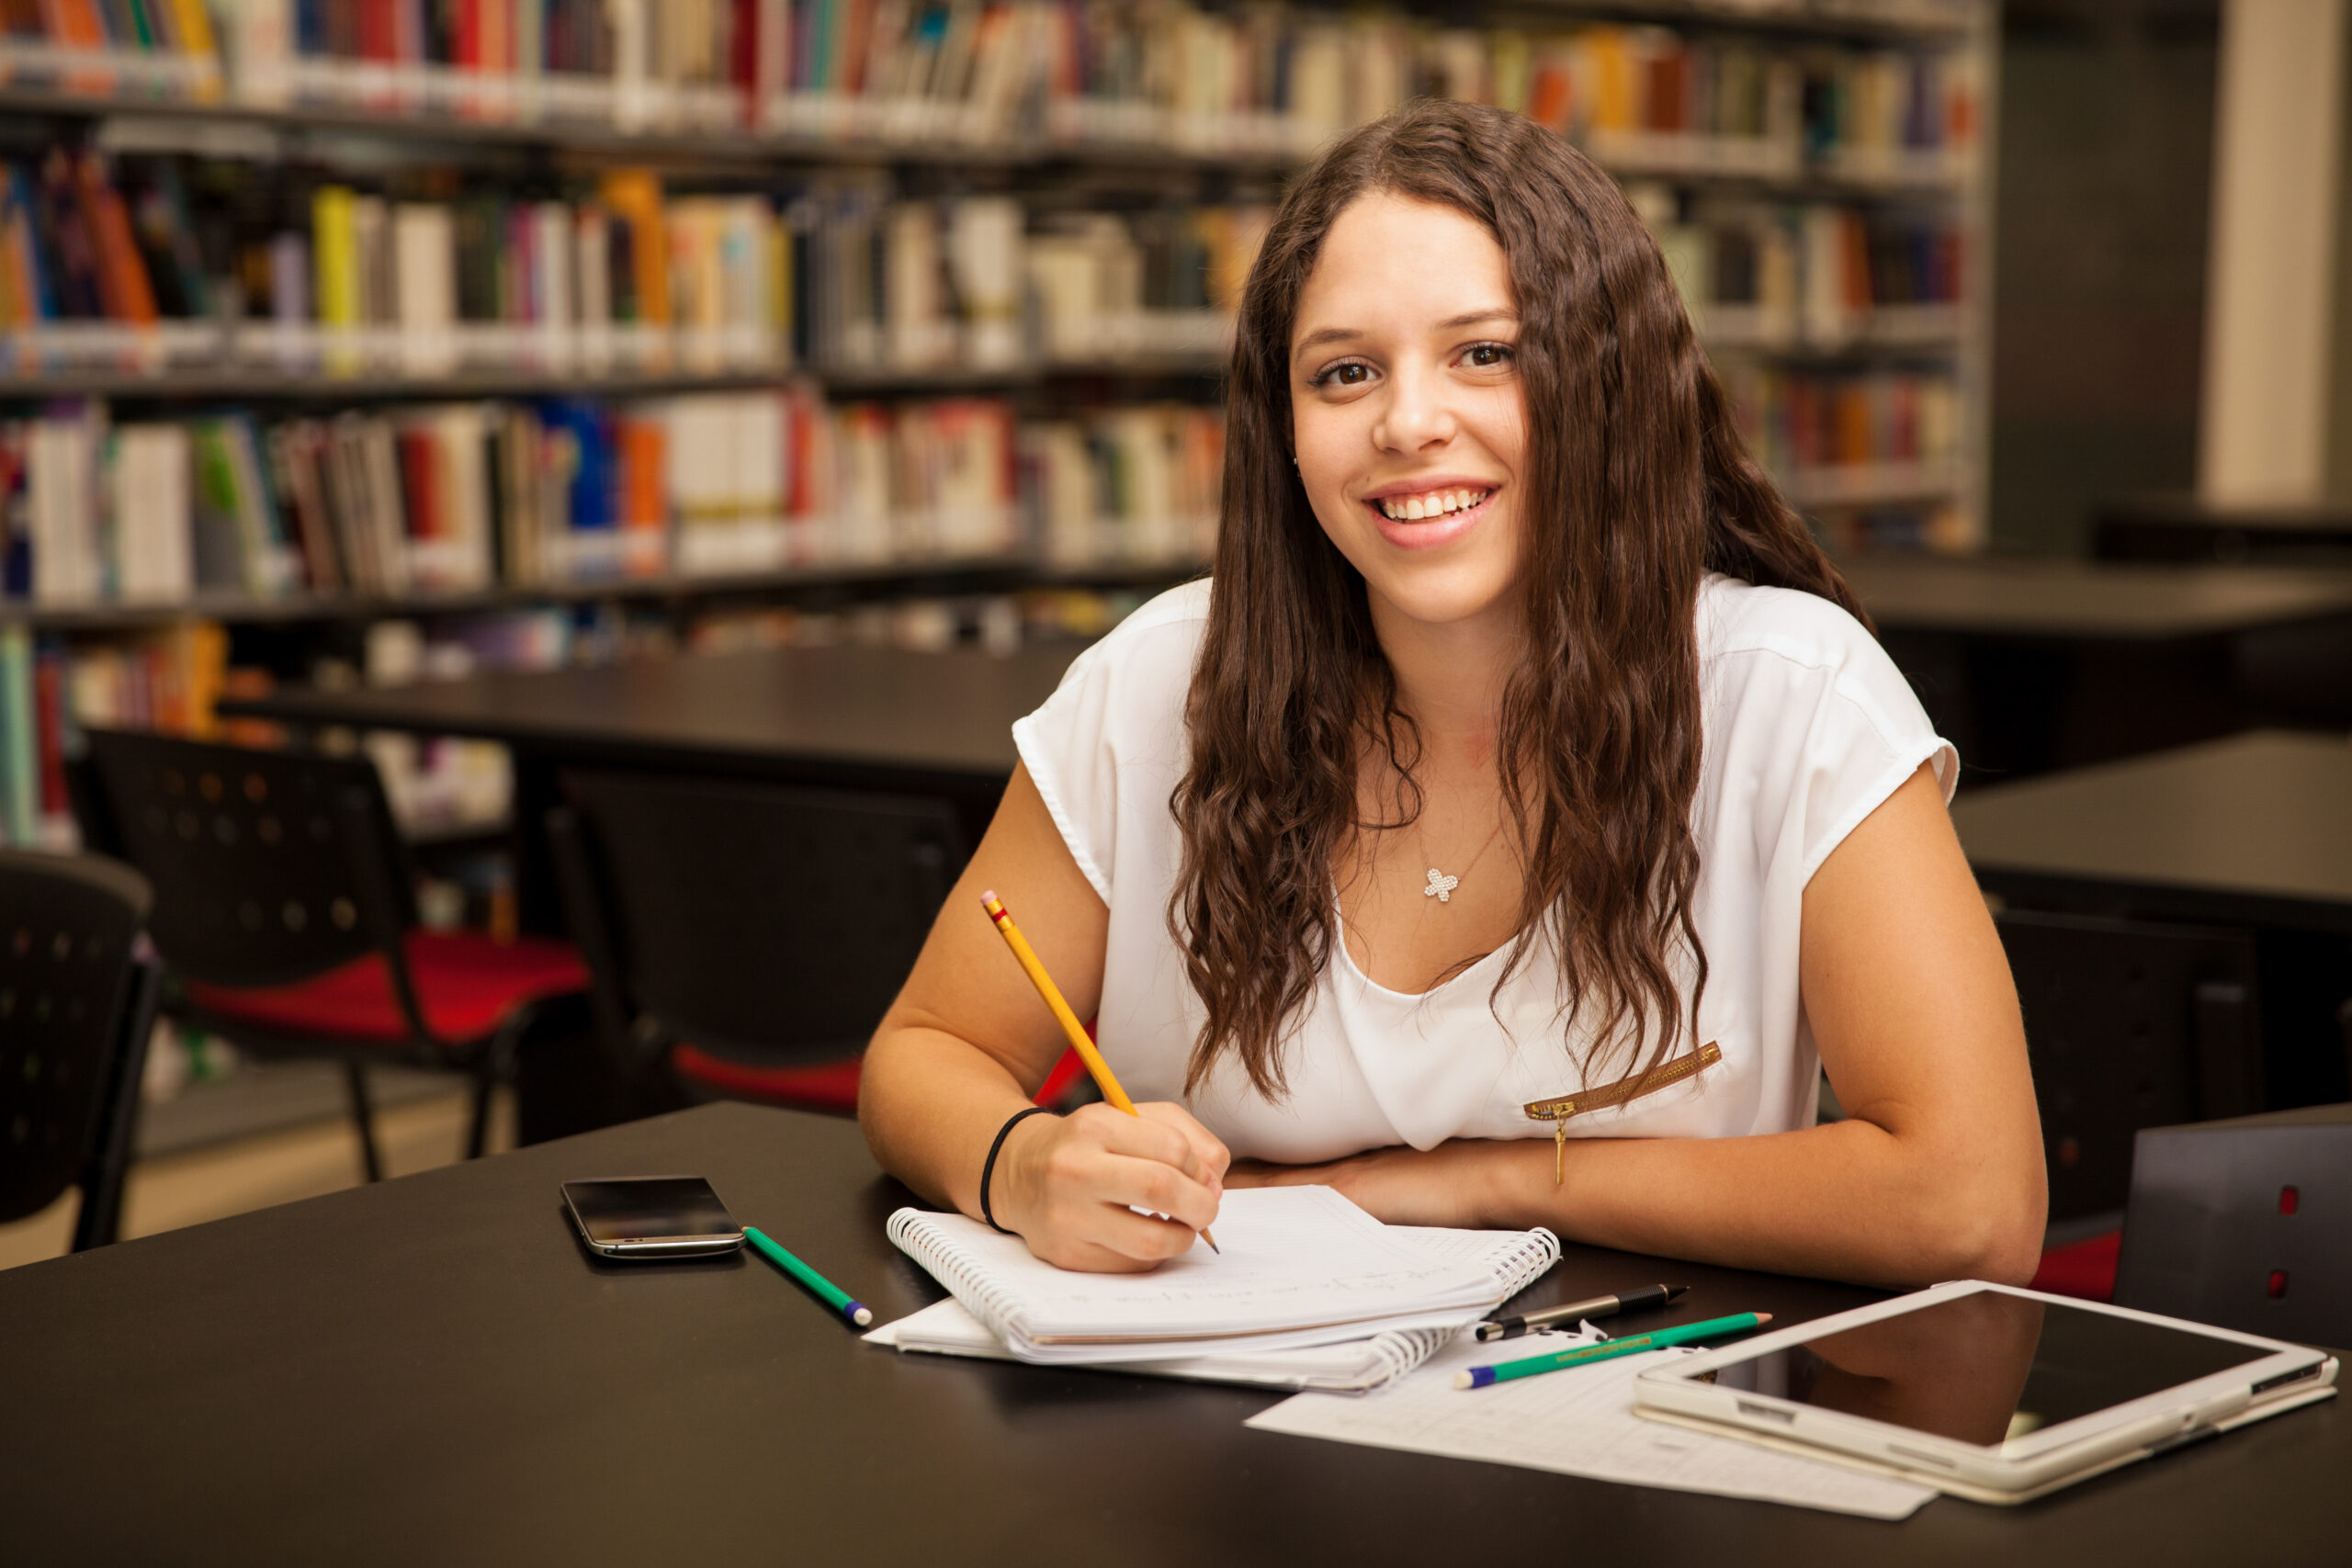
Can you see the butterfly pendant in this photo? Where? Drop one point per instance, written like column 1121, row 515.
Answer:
column 1440, row 886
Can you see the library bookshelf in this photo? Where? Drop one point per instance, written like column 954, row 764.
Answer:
column 388, row 336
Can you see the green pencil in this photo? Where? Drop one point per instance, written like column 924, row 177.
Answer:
column 1681, row 1333
column 832, row 1295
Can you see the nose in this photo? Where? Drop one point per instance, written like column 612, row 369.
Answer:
column 1417, row 416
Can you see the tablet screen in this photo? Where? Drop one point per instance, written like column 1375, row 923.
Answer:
column 1986, row 1368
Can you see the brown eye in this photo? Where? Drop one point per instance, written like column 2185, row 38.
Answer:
column 1352, row 372
column 1487, row 355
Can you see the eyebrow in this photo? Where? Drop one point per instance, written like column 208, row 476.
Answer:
column 1347, row 334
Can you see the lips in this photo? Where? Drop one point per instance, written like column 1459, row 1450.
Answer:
column 1428, row 532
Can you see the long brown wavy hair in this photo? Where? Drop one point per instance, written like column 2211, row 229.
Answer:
column 1634, row 485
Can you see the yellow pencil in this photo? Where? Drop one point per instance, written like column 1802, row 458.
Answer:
column 1104, row 1079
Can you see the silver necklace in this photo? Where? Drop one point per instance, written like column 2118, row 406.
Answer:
column 1440, row 886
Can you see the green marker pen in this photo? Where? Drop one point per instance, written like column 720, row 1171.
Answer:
column 831, row 1294
column 1559, row 1361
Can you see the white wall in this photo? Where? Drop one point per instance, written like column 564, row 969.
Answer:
column 2270, row 327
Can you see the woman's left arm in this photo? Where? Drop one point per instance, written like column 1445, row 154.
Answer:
column 1937, row 1172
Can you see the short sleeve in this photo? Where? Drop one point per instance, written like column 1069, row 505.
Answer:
column 1821, row 726
column 1107, row 750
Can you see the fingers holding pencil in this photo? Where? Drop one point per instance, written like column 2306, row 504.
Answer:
column 1205, row 1157
column 1072, row 1030
column 1086, row 1190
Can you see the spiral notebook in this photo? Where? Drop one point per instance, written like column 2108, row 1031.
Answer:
column 1355, row 1366
column 1301, row 1267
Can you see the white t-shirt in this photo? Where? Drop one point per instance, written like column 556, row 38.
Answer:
column 1807, row 727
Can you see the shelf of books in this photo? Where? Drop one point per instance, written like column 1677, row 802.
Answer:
column 528, row 331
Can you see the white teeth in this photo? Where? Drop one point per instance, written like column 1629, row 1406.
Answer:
column 1434, row 504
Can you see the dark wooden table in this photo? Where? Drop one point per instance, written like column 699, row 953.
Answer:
column 2253, row 831
column 2182, row 528
column 850, row 717
column 843, row 717
column 432, row 1370
column 2080, row 601
column 2030, row 666
column 2027, row 665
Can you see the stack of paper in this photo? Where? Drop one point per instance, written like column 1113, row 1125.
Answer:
column 1357, row 1366
column 1302, row 1270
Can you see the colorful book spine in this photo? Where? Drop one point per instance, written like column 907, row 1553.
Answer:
column 19, row 738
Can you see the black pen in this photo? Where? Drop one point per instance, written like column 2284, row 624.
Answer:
column 1641, row 1300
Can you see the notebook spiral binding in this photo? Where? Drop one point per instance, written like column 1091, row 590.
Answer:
column 1524, row 1265
column 1402, row 1349
column 984, row 1296
column 916, row 1234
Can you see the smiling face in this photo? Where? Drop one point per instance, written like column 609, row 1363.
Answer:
column 1406, row 414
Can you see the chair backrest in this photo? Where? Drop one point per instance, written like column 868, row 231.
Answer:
column 70, row 979
column 770, row 923
column 267, row 866
column 2130, row 1024
column 2245, row 1224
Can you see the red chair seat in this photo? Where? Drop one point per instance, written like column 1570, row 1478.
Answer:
column 465, row 984
column 1068, row 1071
column 828, row 1086
column 2084, row 1269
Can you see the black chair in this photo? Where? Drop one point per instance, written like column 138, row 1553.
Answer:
column 2344, row 1027
column 285, row 911
column 2129, row 1024
column 78, row 1003
column 748, row 936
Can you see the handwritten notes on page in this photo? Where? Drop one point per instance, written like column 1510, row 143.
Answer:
column 1580, row 1423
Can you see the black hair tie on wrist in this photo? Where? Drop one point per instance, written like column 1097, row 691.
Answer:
column 988, row 1170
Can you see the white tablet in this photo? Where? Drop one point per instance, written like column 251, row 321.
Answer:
column 1985, row 1390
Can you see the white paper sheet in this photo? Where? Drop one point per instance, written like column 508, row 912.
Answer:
column 1579, row 1423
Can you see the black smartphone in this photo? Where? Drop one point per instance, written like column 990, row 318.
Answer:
column 651, row 1217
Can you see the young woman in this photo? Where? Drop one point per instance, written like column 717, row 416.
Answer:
column 1514, row 828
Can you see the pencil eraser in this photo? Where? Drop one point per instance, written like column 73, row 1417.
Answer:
column 989, row 897
column 860, row 1313
column 1462, row 1380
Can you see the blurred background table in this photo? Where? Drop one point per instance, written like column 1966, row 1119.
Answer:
column 844, row 717
column 2254, row 829
column 2180, row 929
column 2033, row 665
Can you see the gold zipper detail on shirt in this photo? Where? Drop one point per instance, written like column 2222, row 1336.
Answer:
column 1663, row 1076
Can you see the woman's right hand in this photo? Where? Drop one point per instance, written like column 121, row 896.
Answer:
column 1071, row 1186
